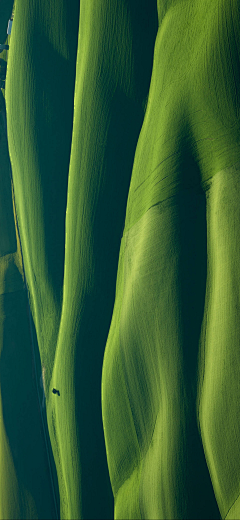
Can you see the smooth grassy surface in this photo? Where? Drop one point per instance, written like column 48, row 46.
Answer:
column 180, row 240
column 50, row 185
column 123, row 187
column 24, row 467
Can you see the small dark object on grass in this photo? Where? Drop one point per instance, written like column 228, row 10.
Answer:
column 54, row 391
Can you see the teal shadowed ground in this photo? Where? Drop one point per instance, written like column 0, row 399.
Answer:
column 171, row 366
column 123, row 130
column 25, row 450
column 55, row 157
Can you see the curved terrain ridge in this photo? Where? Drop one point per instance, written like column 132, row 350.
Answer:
column 123, row 132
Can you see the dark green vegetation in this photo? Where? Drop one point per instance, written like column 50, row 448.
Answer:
column 24, row 468
column 123, row 129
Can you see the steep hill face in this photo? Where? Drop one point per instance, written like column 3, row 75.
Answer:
column 123, row 129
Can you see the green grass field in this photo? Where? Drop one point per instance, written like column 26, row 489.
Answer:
column 123, row 133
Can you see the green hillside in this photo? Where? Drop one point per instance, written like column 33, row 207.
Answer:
column 123, row 133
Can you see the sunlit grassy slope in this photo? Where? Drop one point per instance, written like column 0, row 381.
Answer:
column 108, row 118
column 24, row 467
column 171, row 370
column 108, row 194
